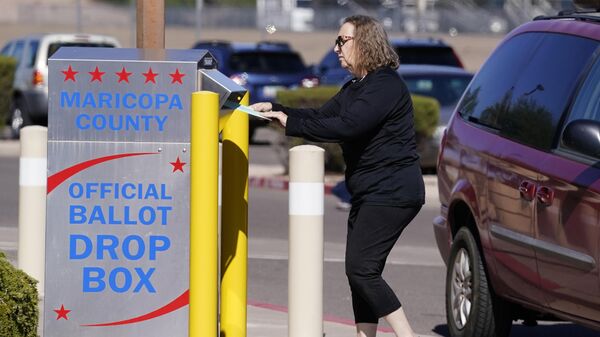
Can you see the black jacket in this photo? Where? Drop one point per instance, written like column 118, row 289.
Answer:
column 373, row 120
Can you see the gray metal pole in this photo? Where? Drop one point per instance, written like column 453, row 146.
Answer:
column 199, row 6
column 79, row 19
column 32, row 202
column 305, row 274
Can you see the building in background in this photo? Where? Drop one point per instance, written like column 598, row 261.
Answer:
column 410, row 16
column 293, row 15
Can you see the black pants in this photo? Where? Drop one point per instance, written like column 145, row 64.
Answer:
column 372, row 232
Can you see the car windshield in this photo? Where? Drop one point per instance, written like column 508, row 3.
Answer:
column 265, row 62
column 53, row 47
column 428, row 55
column 447, row 89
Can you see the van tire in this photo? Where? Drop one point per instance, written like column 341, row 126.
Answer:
column 472, row 309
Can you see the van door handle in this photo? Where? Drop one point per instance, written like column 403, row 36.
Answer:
column 527, row 190
column 545, row 195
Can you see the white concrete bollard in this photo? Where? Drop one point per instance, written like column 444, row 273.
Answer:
column 305, row 274
column 33, row 175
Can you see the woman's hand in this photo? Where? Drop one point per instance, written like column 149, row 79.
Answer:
column 276, row 114
column 261, row 106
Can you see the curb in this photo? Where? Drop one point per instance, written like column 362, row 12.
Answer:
column 281, row 183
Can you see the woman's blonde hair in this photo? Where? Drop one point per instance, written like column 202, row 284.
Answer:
column 372, row 48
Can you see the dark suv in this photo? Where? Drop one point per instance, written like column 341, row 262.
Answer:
column 263, row 68
column 410, row 50
column 519, row 182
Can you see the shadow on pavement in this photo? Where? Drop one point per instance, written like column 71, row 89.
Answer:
column 549, row 329
column 259, row 142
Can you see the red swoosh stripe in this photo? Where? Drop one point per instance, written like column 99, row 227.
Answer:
column 177, row 303
column 59, row 177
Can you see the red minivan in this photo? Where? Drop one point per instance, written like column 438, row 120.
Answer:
column 519, row 182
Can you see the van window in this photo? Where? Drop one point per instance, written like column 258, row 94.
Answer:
column 496, row 80
column 587, row 102
column 521, row 89
column 539, row 99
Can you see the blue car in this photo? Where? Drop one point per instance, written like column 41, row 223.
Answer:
column 263, row 68
column 410, row 51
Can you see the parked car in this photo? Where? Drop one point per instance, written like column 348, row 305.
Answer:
column 519, row 182
column 410, row 51
column 263, row 68
column 29, row 104
column 446, row 84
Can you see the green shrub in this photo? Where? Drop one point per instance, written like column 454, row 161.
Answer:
column 18, row 302
column 426, row 115
column 7, row 75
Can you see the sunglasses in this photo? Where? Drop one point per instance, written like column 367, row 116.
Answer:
column 341, row 40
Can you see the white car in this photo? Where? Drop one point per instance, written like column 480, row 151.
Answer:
column 29, row 104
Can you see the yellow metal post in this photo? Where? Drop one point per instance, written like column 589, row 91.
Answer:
column 204, row 171
column 234, row 235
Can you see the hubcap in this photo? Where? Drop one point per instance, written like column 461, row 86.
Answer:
column 16, row 120
column 462, row 288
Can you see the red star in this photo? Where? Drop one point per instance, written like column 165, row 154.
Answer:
column 177, row 76
column 69, row 74
column 96, row 75
column 62, row 312
column 150, row 76
column 177, row 165
column 123, row 75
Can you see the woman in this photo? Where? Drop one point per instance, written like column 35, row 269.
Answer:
column 372, row 118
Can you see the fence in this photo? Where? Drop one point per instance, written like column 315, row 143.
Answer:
column 451, row 16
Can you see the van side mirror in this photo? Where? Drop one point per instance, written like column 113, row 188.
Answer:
column 583, row 136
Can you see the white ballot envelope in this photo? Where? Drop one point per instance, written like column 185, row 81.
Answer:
column 245, row 109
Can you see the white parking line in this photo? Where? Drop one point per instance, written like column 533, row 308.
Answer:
column 277, row 249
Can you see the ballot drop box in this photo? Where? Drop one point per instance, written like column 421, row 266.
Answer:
column 117, row 232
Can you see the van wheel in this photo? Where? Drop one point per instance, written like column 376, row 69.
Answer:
column 18, row 118
column 472, row 309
